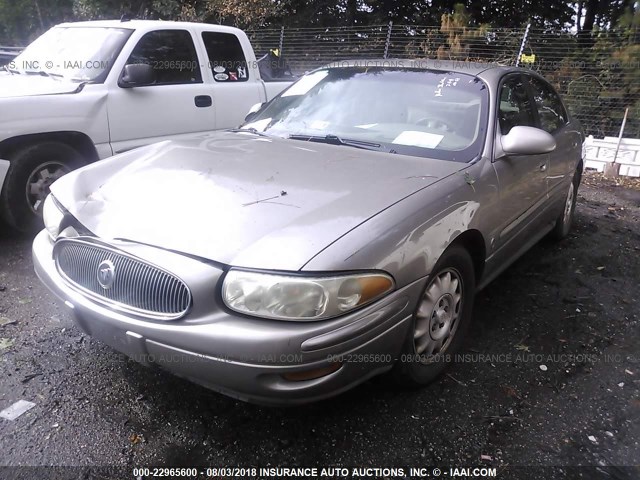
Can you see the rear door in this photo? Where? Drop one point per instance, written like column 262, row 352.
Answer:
column 177, row 103
column 234, row 88
column 522, row 178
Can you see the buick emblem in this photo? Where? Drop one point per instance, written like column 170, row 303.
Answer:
column 106, row 274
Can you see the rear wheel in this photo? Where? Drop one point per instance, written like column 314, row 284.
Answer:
column 31, row 172
column 440, row 321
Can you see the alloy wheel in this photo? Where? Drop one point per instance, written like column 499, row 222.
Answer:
column 39, row 182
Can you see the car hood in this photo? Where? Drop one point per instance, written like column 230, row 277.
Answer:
column 22, row 85
column 241, row 199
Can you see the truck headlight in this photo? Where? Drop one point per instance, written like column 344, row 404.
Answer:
column 292, row 297
column 52, row 214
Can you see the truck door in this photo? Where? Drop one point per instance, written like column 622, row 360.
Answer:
column 234, row 90
column 178, row 102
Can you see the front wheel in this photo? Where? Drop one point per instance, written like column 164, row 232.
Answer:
column 31, row 172
column 440, row 321
column 565, row 219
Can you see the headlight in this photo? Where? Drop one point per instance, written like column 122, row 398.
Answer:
column 288, row 297
column 52, row 214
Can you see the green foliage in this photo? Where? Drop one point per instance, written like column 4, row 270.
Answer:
column 23, row 20
column 109, row 9
column 459, row 36
column 598, row 80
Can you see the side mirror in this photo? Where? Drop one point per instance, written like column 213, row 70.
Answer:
column 137, row 75
column 527, row 141
column 252, row 111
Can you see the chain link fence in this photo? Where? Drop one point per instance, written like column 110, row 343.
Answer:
column 598, row 77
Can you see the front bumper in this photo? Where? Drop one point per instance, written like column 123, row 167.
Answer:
column 238, row 356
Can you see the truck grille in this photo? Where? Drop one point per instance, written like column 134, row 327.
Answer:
column 121, row 281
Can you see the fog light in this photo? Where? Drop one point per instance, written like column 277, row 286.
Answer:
column 303, row 375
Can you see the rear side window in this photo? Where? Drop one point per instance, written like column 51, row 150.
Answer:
column 226, row 57
column 551, row 112
column 172, row 55
column 515, row 105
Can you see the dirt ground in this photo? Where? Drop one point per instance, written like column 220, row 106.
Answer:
column 550, row 377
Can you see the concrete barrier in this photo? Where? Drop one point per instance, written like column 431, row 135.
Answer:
column 601, row 151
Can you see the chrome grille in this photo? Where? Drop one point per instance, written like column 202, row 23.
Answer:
column 137, row 286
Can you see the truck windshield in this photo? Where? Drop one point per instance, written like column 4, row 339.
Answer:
column 83, row 54
column 418, row 112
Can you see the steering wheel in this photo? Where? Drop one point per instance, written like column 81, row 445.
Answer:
column 435, row 124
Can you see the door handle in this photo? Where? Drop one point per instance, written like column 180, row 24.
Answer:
column 203, row 101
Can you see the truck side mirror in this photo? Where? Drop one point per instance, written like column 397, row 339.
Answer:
column 137, row 75
column 253, row 111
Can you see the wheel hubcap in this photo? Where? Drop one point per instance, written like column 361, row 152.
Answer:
column 438, row 315
column 39, row 182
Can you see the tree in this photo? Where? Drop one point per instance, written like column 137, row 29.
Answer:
column 23, row 20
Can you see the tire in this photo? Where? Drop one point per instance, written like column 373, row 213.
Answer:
column 32, row 170
column 565, row 219
column 422, row 361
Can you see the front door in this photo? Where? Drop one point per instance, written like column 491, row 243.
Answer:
column 235, row 90
column 177, row 103
column 553, row 119
column 522, row 179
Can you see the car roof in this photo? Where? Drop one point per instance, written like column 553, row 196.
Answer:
column 469, row 67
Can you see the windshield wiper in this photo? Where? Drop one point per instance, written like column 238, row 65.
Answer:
column 10, row 70
column 43, row 73
column 250, row 130
column 336, row 140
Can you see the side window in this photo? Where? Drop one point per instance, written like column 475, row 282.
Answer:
column 515, row 106
column 551, row 112
column 226, row 58
column 171, row 54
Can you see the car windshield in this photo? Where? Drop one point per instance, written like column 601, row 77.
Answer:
column 80, row 54
column 426, row 113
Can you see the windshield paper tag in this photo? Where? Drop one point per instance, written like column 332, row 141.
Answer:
column 418, row 139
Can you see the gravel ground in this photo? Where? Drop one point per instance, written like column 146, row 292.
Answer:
column 551, row 377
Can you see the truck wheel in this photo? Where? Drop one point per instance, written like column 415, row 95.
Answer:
column 31, row 172
column 440, row 321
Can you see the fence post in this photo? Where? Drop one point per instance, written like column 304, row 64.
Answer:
column 281, row 44
column 388, row 41
column 613, row 169
column 524, row 42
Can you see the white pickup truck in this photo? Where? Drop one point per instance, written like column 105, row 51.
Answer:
column 85, row 91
